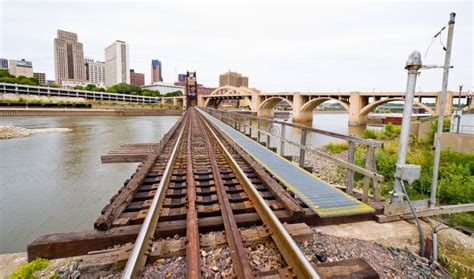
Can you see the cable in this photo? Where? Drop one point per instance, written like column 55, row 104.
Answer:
column 432, row 41
column 420, row 230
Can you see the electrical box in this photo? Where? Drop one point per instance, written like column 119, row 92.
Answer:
column 408, row 173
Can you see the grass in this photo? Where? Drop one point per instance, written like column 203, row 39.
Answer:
column 336, row 148
column 26, row 271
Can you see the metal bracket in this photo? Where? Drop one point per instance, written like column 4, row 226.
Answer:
column 408, row 173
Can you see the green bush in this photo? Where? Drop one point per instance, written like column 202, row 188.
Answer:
column 369, row 134
column 26, row 271
column 336, row 148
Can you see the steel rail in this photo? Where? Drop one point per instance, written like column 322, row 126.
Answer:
column 192, row 226
column 138, row 256
column 240, row 260
column 286, row 245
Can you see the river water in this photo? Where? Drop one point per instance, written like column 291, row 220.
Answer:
column 54, row 182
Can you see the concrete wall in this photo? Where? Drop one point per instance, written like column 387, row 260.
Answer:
column 457, row 142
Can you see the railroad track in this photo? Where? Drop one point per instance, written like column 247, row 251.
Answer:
column 198, row 183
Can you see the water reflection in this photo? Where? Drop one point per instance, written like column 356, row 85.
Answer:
column 54, row 182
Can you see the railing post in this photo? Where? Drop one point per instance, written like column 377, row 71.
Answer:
column 282, row 139
column 369, row 157
column 350, row 173
column 268, row 140
column 302, row 150
column 375, row 182
column 250, row 128
column 258, row 130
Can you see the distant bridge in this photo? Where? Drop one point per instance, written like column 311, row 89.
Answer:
column 358, row 104
column 11, row 88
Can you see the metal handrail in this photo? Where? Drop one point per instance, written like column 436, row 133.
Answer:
column 369, row 172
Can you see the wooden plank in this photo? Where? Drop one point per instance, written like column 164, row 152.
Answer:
column 167, row 248
column 63, row 245
column 123, row 158
column 447, row 209
column 352, row 268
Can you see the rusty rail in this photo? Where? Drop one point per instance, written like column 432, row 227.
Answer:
column 285, row 244
column 239, row 258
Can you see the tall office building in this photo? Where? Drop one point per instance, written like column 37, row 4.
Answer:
column 41, row 77
column 117, row 64
column 95, row 72
column 233, row 79
column 181, row 77
column 20, row 68
column 137, row 78
column 3, row 64
column 68, row 59
column 156, row 71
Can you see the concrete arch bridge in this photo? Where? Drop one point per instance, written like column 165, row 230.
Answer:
column 358, row 104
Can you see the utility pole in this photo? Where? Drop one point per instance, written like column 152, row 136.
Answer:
column 413, row 65
column 439, row 132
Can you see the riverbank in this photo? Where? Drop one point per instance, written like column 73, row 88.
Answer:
column 88, row 112
column 10, row 132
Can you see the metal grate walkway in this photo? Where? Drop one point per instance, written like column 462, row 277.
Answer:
column 324, row 199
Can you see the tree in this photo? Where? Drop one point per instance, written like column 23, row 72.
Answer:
column 174, row 94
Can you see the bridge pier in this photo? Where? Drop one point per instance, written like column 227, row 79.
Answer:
column 356, row 103
column 448, row 108
column 298, row 114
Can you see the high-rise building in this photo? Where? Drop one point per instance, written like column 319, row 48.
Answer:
column 137, row 78
column 20, row 68
column 3, row 64
column 117, row 64
column 233, row 79
column 41, row 77
column 95, row 72
column 156, row 71
column 68, row 58
column 181, row 77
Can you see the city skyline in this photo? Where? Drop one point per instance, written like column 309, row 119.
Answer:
column 300, row 53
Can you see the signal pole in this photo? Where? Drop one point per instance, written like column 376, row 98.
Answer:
column 439, row 132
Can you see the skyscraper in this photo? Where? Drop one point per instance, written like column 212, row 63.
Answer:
column 233, row 79
column 156, row 71
column 68, row 58
column 117, row 64
column 3, row 64
column 95, row 72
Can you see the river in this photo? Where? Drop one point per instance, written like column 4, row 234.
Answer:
column 54, row 182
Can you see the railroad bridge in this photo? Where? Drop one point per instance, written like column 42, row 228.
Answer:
column 358, row 104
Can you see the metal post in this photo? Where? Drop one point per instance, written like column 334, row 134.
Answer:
column 413, row 65
column 439, row 132
column 458, row 113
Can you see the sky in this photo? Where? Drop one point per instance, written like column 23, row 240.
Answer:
column 280, row 45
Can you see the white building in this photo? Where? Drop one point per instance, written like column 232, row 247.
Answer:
column 95, row 72
column 117, row 64
column 20, row 68
column 164, row 87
